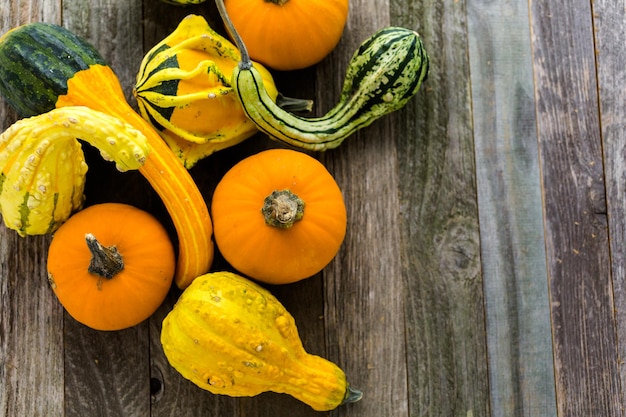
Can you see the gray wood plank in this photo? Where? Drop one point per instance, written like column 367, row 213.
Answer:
column 31, row 320
column 446, row 340
column 364, row 291
column 106, row 373
column 511, row 217
column 31, row 337
column 171, row 394
column 363, row 286
column 114, row 28
column 586, row 361
column 610, row 31
column 304, row 300
column 15, row 12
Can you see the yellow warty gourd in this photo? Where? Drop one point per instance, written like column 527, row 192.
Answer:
column 42, row 166
column 230, row 336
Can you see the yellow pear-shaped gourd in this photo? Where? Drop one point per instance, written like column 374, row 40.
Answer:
column 230, row 336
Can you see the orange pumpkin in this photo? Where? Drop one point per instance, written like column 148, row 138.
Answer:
column 279, row 216
column 288, row 34
column 111, row 265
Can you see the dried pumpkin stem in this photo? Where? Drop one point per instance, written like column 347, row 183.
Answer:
column 282, row 209
column 106, row 261
column 277, row 2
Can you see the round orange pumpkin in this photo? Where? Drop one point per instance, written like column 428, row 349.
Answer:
column 111, row 265
column 288, row 34
column 279, row 216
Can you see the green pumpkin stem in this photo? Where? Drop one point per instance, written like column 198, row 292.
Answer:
column 106, row 262
column 292, row 104
column 352, row 395
column 282, row 209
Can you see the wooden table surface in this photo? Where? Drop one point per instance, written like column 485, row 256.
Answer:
column 483, row 270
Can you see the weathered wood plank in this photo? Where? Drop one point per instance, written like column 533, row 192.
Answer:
column 31, row 340
column 364, row 292
column 171, row 394
column 16, row 12
column 446, row 348
column 519, row 336
column 106, row 373
column 31, row 343
column 587, row 376
column 610, row 32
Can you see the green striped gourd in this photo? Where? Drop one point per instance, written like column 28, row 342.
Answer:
column 385, row 72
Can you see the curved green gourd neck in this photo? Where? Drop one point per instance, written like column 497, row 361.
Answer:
column 384, row 74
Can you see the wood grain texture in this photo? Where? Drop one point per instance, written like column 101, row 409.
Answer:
column 511, row 218
column 609, row 30
column 31, row 344
column 587, row 377
column 445, row 329
column 178, row 397
column 112, row 27
column 106, row 373
column 363, row 285
column 109, row 368
column 483, row 269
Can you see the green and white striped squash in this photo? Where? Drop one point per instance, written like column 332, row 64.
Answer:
column 385, row 72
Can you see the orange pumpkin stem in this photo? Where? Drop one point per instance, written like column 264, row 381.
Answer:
column 282, row 209
column 277, row 2
column 106, row 262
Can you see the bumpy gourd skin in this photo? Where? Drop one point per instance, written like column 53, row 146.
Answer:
column 230, row 336
column 64, row 70
column 42, row 166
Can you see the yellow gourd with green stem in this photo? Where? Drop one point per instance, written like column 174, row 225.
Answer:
column 230, row 336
